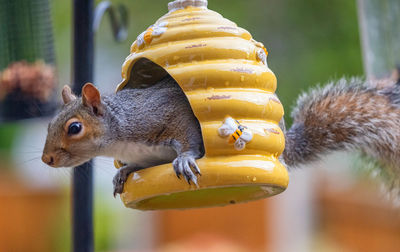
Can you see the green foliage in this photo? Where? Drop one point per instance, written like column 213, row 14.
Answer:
column 61, row 239
column 7, row 136
column 314, row 42
column 103, row 225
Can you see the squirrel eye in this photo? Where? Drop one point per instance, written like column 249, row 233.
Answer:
column 74, row 128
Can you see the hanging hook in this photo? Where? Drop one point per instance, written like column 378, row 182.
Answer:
column 118, row 25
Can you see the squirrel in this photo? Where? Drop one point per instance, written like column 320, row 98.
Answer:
column 155, row 125
column 139, row 127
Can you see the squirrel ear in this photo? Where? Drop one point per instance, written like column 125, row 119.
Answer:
column 67, row 95
column 91, row 98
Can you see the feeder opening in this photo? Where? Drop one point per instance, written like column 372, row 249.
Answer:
column 145, row 73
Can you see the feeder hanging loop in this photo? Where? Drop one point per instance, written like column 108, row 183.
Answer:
column 118, row 25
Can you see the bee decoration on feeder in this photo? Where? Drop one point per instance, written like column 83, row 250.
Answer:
column 147, row 36
column 238, row 134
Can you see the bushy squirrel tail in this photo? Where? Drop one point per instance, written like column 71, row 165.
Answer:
column 348, row 115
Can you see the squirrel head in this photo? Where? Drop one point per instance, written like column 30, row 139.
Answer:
column 75, row 134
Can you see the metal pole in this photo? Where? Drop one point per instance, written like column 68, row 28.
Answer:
column 380, row 36
column 82, row 189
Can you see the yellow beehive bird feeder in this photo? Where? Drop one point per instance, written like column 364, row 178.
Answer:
column 224, row 73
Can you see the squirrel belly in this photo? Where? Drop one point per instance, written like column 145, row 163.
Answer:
column 347, row 115
column 140, row 154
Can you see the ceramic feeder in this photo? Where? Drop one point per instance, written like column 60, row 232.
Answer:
column 225, row 76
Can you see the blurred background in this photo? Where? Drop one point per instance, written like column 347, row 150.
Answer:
column 332, row 206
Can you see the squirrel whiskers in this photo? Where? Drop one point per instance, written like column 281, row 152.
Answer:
column 348, row 115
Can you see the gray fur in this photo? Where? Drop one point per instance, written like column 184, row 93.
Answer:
column 368, row 121
column 159, row 114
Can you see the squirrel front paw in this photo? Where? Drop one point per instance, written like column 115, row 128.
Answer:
column 183, row 165
column 121, row 177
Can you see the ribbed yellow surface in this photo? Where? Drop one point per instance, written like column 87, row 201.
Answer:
column 218, row 67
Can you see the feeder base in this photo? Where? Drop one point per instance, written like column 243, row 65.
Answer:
column 225, row 180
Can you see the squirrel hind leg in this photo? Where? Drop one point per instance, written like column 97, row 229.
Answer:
column 121, row 177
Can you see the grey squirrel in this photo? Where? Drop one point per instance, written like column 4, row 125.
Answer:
column 140, row 127
column 155, row 125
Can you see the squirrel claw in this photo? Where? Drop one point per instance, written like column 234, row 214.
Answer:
column 121, row 177
column 193, row 164
column 183, row 165
column 118, row 186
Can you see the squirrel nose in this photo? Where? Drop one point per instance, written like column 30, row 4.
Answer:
column 48, row 159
